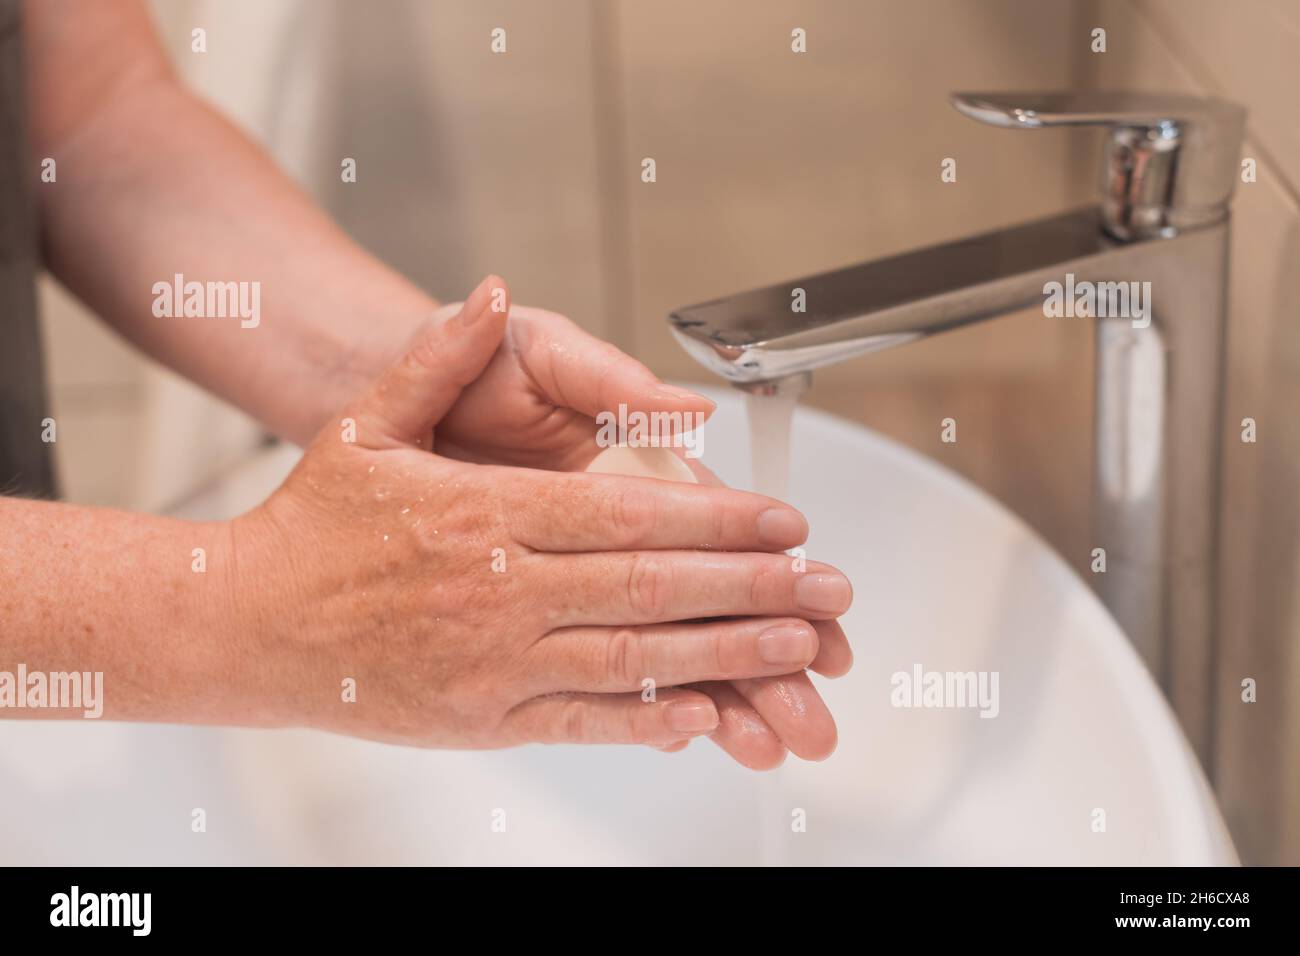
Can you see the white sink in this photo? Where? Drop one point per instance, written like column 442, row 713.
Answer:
column 945, row 578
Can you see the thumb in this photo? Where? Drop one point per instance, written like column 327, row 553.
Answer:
column 409, row 399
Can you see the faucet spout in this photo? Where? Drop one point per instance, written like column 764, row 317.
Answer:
column 819, row 320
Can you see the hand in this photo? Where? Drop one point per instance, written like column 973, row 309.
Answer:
column 536, row 405
column 763, row 717
column 375, row 561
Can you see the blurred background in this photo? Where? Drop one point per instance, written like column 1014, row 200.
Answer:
column 769, row 165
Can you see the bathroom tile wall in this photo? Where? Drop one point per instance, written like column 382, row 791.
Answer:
column 1245, row 52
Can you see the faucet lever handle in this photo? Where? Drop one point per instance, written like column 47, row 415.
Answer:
column 1171, row 160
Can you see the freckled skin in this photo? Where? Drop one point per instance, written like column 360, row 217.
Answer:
column 329, row 584
column 249, row 641
column 394, row 586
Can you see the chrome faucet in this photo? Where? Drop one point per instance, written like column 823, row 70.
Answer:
column 1169, row 169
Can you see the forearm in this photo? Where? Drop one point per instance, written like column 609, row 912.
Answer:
column 152, row 183
column 89, row 590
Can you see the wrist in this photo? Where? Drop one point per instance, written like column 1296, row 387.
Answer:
column 244, row 658
column 279, row 665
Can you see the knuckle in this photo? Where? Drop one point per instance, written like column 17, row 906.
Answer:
column 609, row 371
column 720, row 653
column 718, row 525
column 633, row 514
column 623, row 658
column 526, row 510
column 573, row 721
column 423, row 354
column 761, row 583
column 649, row 582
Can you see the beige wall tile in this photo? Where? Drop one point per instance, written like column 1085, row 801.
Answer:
column 82, row 351
column 97, row 398
column 97, row 449
column 1245, row 52
column 773, row 165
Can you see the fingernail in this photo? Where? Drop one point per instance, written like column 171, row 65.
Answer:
column 823, row 593
column 782, row 528
column 692, row 717
column 786, row 644
column 477, row 304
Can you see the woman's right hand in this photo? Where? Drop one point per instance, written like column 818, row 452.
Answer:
column 386, row 592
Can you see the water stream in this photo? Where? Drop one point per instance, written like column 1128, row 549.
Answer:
column 770, row 419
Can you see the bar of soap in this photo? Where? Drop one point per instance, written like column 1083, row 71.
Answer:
column 641, row 463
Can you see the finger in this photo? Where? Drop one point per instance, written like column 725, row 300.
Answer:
column 672, row 748
column 609, row 660
column 791, row 706
column 706, row 477
column 648, row 587
column 742, row 732
column 672, row 716
column 834, row 655
column 444, row 357
column 576, row 370
column 615, row 512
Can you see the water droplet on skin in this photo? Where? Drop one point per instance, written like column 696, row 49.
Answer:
column 406, row 511
column 743, row 723
column 371, row 470
column 790, row 696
